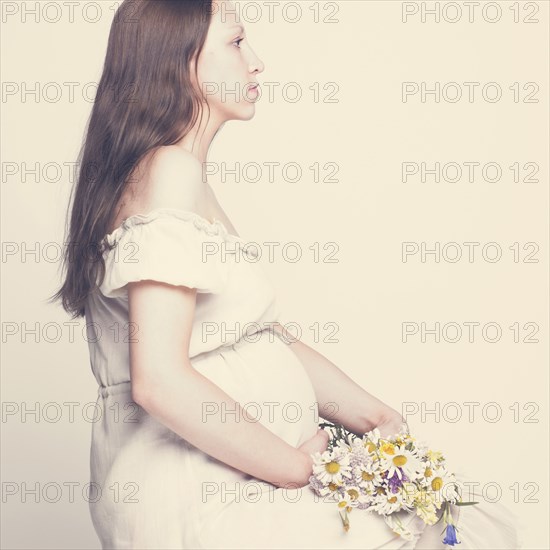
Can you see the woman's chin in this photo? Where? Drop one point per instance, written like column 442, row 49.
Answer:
column 251, row 113
column 245, row 111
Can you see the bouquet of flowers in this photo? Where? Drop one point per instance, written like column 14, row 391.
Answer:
column 386, row 476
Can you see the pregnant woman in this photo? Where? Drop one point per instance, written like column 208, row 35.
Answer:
column 210, row 411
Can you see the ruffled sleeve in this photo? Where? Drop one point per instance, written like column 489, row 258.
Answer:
column 167, row 245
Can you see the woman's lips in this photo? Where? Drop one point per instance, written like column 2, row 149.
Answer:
column 254, row 90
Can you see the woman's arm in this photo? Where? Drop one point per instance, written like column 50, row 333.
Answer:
column 340, row 399
column 170, row 389
column 178, row 400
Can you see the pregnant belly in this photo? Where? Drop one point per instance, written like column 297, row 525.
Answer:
column 269, row 382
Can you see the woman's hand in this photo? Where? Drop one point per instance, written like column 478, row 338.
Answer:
column 304, row 467
column 390, row 425
column 317, row 443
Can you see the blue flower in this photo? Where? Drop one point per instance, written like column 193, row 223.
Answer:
column 450, row 536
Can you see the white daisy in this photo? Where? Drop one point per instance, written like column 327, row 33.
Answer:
column 443, row 485
column 352, row 497
column 386, row 502
column 329, row 490
column 368, row 475
column 402, row 461
column 331, row 466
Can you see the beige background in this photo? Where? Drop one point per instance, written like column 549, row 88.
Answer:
column 368, row 212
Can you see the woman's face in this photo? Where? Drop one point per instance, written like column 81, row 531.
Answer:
column 228, row 67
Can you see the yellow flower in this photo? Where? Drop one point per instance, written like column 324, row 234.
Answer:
column 434, row 456
column 427, row 513
column 387, row 448
column 371, row 447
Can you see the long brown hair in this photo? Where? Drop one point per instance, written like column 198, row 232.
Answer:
column 145, row 100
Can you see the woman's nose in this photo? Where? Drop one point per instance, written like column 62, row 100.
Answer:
column 256, row 64
column 260, row 67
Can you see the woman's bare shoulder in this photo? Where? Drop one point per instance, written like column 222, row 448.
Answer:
column 173, row 177
column 169, row 177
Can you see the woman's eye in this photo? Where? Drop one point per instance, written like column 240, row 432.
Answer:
column 237, row 42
